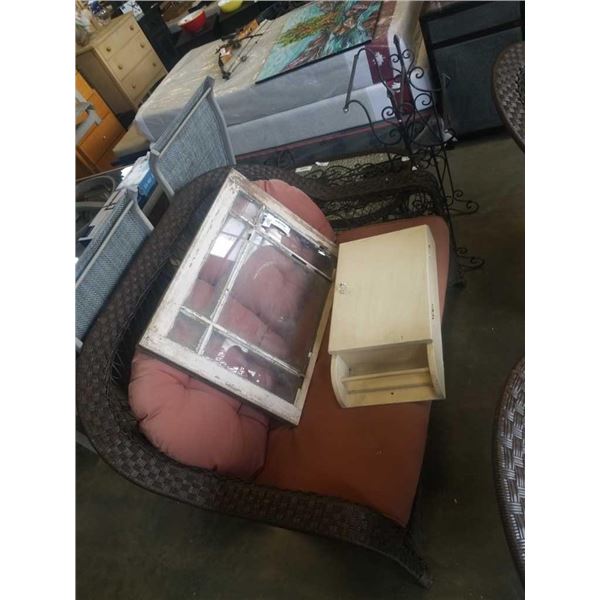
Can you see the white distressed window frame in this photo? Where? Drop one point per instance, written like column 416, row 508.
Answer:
column 155, row 338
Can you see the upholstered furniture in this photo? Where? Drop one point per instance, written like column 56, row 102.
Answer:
column 302, row 110
column 324, row 476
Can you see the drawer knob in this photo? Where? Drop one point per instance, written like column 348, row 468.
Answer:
column 142, row 45
column 131, row 28
column 153, row 64
column 133, row 85
column 120, row 66
column 108, row 48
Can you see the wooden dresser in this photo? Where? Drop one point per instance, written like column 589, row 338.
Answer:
column 120, row 64
column 94, row 149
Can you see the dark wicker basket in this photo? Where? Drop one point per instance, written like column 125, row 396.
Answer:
column 509, row 463
column 103, row 367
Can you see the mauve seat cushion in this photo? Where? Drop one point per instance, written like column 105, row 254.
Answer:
column 193, row 422
column 371, row 455
column 197, row 423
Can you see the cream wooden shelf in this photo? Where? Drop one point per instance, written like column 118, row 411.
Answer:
column 385, row 339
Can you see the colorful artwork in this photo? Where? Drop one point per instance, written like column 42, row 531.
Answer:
column 319, row 30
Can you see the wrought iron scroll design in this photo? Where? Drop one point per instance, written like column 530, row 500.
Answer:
column 416, row 131
column 416, row 134
column 412, row 135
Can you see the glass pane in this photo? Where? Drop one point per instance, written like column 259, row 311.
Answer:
column 187, row 331
column 245, row 207
column 275, row 304
column 248, row 365
column 212, row 277
column 276, row 229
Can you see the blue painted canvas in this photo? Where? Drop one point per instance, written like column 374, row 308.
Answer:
column 318, row 30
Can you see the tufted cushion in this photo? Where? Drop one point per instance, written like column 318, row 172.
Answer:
column 273, row 287
column 194, row 422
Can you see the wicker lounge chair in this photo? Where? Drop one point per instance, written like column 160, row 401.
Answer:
column 103, row 368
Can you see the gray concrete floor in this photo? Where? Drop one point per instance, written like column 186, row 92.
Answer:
column 132, row 544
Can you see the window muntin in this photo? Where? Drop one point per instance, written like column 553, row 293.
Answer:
column 248, row 301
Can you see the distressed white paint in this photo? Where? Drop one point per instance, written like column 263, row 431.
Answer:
column 385, row 338
column 155, row 338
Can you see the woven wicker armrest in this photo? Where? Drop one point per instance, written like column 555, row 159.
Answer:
column 103, row 371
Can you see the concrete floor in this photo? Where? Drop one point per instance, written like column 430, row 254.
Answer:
column 132, row 544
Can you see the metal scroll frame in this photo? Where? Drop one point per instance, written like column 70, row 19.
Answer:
column 416, row 135
column 411, row 135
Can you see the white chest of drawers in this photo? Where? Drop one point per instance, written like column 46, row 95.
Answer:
column 121, row 64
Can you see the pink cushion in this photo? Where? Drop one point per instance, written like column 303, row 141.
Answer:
column 273, row 287
column 194, row 422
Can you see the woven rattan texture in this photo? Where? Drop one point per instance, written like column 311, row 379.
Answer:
column 509, row 463
column 509, row 90
column 104, row 363
column 120, row 242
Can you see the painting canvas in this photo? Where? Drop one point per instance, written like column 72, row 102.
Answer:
column 318, row 30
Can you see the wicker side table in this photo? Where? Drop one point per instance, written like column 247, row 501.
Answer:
column 509, row 463
column 508, row 84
